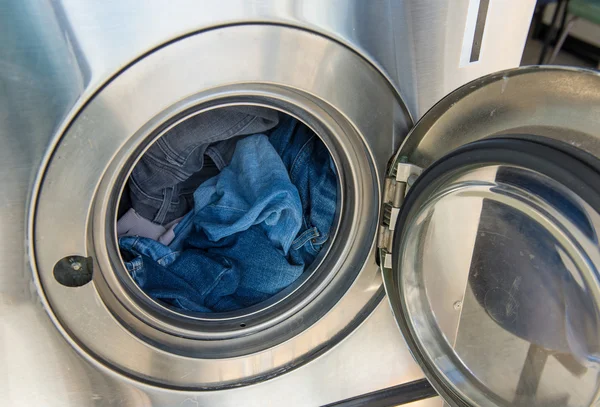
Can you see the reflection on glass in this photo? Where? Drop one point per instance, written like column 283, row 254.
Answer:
column 513, row 300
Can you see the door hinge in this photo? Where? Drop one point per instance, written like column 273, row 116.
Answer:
column 401, row 177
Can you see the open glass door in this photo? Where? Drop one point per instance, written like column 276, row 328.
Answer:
column 490, row 240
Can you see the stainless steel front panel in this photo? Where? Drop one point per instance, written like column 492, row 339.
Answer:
column 54, row 55
column 76, row 199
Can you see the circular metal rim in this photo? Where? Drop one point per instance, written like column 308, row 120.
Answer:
column 238, row 314
column 306, row 342
column 183, row 328
column 549, row 103
column 251, row 318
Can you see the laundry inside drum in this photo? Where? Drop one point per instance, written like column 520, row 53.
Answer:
column 227, row 209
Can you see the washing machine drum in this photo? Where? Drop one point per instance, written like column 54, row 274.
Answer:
column 484, row 221
column 100, row 306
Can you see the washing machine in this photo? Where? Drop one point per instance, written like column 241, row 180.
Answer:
column 463, row 264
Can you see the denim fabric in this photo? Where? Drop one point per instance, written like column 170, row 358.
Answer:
column 312, row 171
column 235, row 272
column 162, row 183
column 186, row 280
column 262, row 268
column 230, row 252
column 255, row 189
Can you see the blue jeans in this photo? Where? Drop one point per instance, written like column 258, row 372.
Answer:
column 255, row 189
column 231, row 251
column 236, row 272
column 312, row 171
column 162, row 183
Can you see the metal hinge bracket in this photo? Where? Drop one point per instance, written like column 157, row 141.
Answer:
column 401, row 177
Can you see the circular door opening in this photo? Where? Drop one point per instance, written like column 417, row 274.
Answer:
column 304, row 171
column 82, row 182
column 226, row 213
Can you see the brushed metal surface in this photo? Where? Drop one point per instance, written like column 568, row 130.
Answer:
column 432, row 402
column 217, row 354
column 54, row 55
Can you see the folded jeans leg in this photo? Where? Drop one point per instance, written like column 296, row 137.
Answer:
column 313, row 173
column 189, row 280
column 254, row 189
column 179, row 153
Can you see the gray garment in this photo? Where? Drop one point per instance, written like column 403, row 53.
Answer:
column 132, row 224
column 162, row 184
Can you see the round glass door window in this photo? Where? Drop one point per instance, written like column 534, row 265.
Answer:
column 496, row 258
